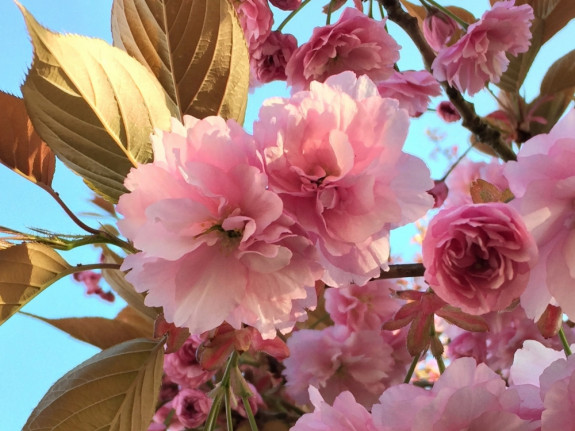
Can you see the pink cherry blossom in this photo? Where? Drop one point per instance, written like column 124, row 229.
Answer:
column 543, row 182
column 465, row 173
column 554, row 376
column 466, row 397
column 268, row 59
column 215, row 244
column 412, row 89
column 362, row 307
column 438, row 28
column 355, row 42
column 345, row 415
column 478, row 256
column 182, row 366
column 480, row 56
column 508, row 331
column 192, row 407
column 256, row 19
column 334, row 154
column 337, row 359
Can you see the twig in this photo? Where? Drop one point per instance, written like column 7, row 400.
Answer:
column 471, row 121
column 404, row 270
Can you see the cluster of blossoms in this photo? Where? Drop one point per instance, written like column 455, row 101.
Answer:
column 312, row 195
column 245, row 229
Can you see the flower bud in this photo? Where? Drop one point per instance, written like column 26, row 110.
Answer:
column 550, row 321
column 438, row 29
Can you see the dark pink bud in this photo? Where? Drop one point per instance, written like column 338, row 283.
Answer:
column 447, row 112
column 286, row 4
column 439, row 193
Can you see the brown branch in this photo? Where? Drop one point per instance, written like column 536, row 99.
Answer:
column 404, row 270
column 471, row 121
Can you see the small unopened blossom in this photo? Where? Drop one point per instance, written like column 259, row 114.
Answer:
column 183, row 368
column 480, row 56
column 192, row 407
column 91, row 280
column 447, row 112
column 412, row 89
column 286, row 4
column 268, row 59
column 438, row 28
column 355, row 42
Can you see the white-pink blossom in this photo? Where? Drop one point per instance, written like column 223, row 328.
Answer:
column 345, row 414
column 480, row 56
column 334, row 155
column 337, row 359
column 467, row 396
column 543, row 182
column 215, row 244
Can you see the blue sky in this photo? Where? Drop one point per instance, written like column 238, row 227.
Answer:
column 32, row 354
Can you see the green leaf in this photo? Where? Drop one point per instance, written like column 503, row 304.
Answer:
column 115, row 390
column 196, row 49
column 98, row 331
column 21, row 149
column 94, row 105
column 25, row 271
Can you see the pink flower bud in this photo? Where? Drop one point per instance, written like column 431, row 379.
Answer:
column 286, row 4
column 447, row 112
column 438, row 29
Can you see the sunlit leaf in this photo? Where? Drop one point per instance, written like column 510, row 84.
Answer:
column 415, row 10
column 195, row 48
column 560, row 76
column 21, row 149
column 94, row 105
column 115, row 390
column 25, row 271
column 98, row 331
column 122, row 287
column 550, row 17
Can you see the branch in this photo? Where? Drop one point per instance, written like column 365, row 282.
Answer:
column 471, row 121
column 403, row 271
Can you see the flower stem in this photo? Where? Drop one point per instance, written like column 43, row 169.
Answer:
column 456, row 163
column 291, row 15
column 440, row 364
column 222, row 393
column 328, row 18
column 411, row 368
column 565, row 343
column 249, row 413
column 447, row 12
column 370, row 10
